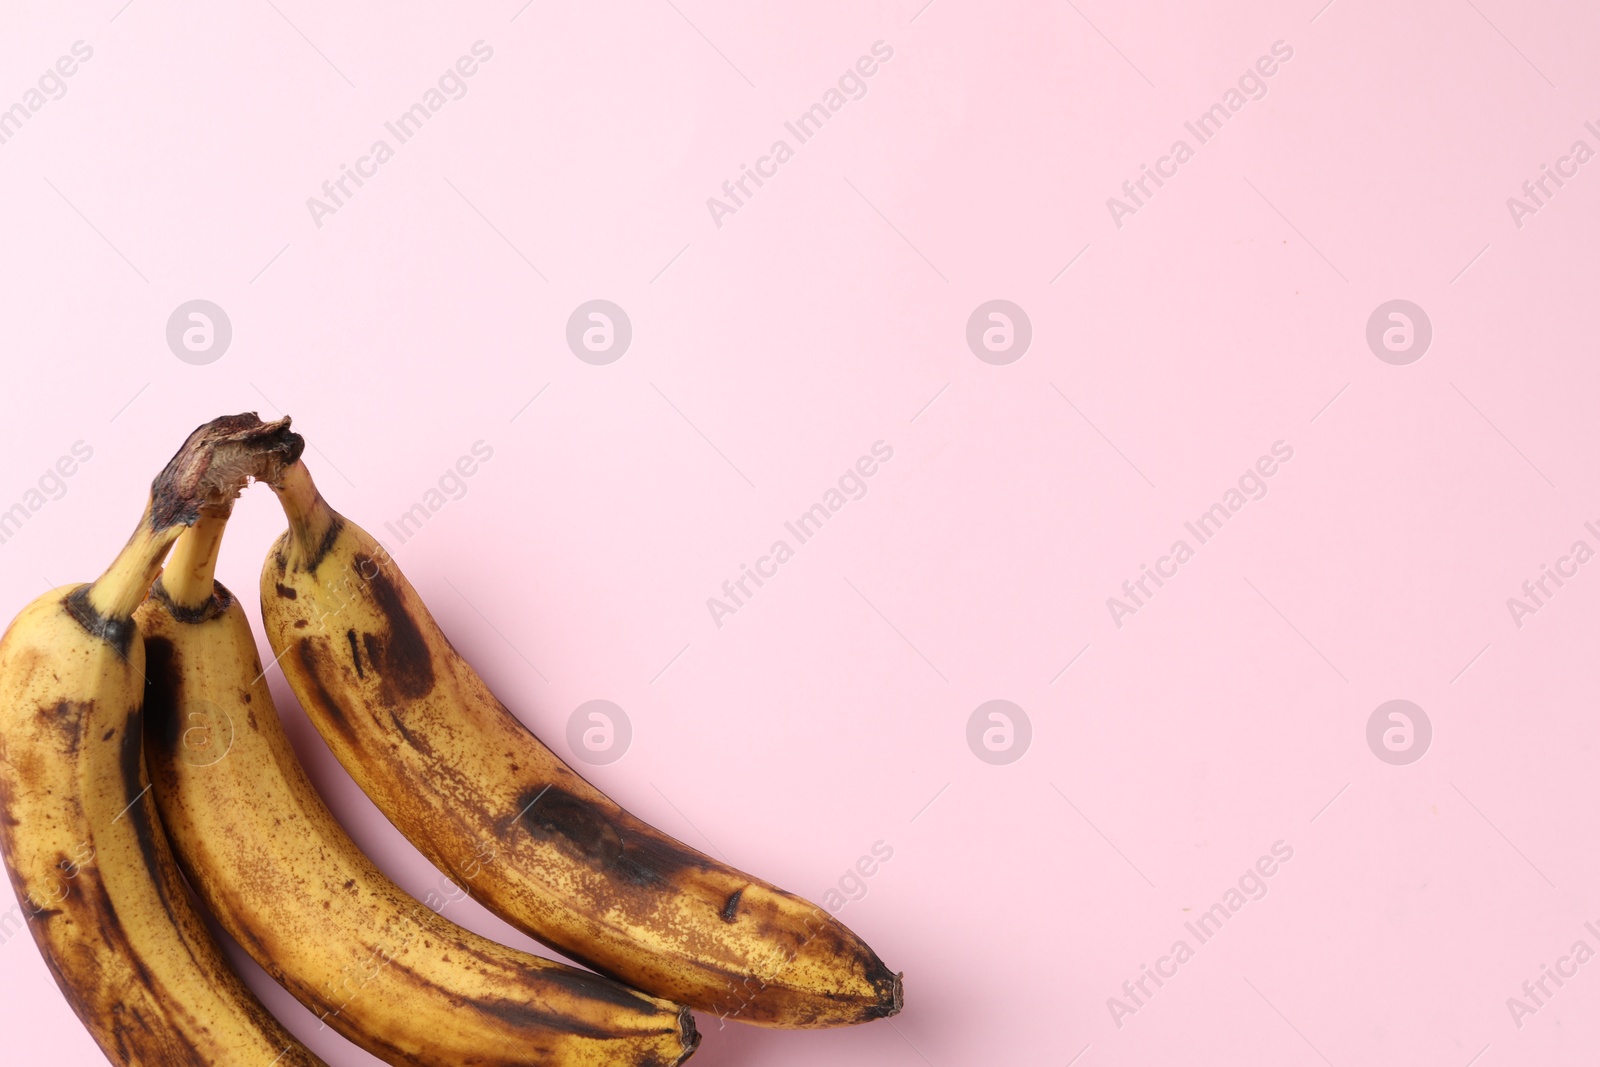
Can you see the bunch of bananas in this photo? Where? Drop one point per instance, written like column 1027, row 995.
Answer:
column 139, row 748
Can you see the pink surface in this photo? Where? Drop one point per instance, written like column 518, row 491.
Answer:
column 1175, row 342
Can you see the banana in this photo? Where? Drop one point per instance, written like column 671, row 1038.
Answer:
column 450, row 766
column 83, row 847
column 281, row 875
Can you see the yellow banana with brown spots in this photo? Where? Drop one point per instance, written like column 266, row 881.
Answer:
column 83, row 846
column 281, row 875
column 450, row 766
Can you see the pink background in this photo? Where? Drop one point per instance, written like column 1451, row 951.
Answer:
column 827, row 314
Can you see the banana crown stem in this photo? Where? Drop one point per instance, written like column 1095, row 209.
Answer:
column 117, row 592
column 202, row 478
column 309, row 515
column 192, row 567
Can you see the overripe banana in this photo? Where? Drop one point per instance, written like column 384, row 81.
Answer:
column 451, row 767
column 82, row 843
column 281, row 875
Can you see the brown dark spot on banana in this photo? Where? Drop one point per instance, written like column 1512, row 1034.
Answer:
column 586, row 832
column 402, row 659
column 161, row 673
column 286, row 591
column 583, row 984
column 355, row 653
column 137, row 1039
column 7, row 820
column 146, row 834
column 109, row 926
column 69, row 718
column 417, row 741
column 730, row 910
column 527, row 1025
column 118, row 633
column 306, row 652
column 299, row 624
column 329, row 538
column 245, row 699
column 311, row 555
column 216, row 604
column 129, row 755
column 252, row 942
column 525, row 1017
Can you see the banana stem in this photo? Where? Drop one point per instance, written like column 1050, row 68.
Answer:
column 202, row 479
column 310, row 517
column 117, row 592
column 192, row 569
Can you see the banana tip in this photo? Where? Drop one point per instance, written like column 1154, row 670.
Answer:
column 688, row 1034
